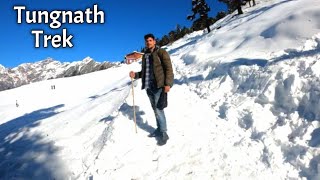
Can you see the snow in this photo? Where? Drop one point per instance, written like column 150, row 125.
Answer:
column 245, row 105
column 2, row 68
column 267, row 27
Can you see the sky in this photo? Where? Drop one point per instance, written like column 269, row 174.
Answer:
column 126, row 22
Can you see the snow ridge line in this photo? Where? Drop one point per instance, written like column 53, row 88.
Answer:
column 97, row 147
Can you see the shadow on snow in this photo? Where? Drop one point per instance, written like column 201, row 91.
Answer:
column 25, row 154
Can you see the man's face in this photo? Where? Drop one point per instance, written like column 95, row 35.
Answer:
column 150, row 43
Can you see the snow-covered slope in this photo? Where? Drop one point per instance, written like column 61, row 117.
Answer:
column 250, row 112
column 47, row 69
column 69, row 121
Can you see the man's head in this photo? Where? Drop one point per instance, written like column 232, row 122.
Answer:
column 150, row 41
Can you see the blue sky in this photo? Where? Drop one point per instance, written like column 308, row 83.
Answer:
column 126, row 23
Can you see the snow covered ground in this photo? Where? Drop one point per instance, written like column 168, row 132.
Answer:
column 245, row 105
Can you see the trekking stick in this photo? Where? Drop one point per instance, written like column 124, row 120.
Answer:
column 134, row 109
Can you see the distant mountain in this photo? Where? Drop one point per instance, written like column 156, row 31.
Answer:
column 47, row 69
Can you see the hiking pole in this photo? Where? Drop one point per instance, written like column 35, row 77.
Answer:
column 134, row 109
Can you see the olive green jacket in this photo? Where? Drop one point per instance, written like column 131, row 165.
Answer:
column 162, row 68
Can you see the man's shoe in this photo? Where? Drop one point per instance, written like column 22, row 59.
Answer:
column 163, row 138
column 155, row 133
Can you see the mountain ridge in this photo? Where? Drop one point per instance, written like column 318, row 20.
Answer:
column 47, row 69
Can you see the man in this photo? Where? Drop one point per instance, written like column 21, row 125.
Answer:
column 157, row 78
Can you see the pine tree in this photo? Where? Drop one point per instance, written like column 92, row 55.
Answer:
column 233, row 5
column 185, row 31
column 172, row 36
column 220, row 15
column 200, row 7
column 165, row 40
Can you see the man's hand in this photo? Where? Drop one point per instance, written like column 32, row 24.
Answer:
column 132, row 74
column 166, row 89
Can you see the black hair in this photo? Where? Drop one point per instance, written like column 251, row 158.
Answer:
column 149, row 36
